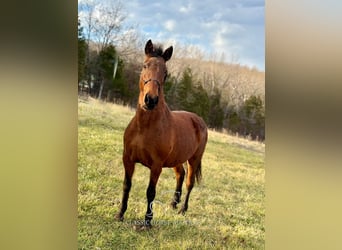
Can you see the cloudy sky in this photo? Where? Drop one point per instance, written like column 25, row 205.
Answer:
column 233, row 27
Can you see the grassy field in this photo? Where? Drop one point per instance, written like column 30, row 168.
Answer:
column 226, row 211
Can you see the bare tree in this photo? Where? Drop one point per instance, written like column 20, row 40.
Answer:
column 130, row 43
column 103, row 21
column 108, row 21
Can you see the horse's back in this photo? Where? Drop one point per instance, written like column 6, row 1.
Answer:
column 190, row 118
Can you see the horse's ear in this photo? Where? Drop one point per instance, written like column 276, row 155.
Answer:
column 149, row 47
column 167, row 53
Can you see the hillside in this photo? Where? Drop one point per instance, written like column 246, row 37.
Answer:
column 236, row 82
column 226, row 211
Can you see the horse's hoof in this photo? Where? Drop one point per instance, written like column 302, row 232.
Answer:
column 119, row 217
column 182, row 211
column 174, row 205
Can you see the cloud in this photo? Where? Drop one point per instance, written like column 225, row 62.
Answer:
column 185, row 9
column 234, row 27
column 170, row 25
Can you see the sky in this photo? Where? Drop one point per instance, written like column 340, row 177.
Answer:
column 233, row 27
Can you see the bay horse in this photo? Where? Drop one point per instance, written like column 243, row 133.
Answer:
column 157, row 137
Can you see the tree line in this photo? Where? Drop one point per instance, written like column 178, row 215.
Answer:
column 228, row 97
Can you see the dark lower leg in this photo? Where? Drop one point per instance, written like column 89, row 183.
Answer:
column 179, row 171
column 150, row 194
column 189, row 185
column 185, row 205
column 126, row 188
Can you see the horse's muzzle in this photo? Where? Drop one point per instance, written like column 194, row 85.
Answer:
column 150, row 102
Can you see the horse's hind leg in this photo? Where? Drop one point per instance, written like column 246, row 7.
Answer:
column 129, row 170
column 190, row 181
column 179, row 172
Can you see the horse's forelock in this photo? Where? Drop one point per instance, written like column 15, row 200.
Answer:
column 157, row 51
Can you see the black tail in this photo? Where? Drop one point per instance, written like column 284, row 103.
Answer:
column 198, row 173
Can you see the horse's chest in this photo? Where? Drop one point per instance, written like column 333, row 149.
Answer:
column 148, row 149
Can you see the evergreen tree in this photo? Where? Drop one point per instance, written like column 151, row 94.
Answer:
column 169, row 91
column 190, row 97
column 200, row 103
column 253, row 117
column 216, row 114
column 233, row 120
column 183, row 95
column 106, row 62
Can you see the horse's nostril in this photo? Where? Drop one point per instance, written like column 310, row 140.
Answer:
column 151, row 102
column 155, row 100
column 147, row 98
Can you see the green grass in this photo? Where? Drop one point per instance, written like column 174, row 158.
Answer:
column 226, row 211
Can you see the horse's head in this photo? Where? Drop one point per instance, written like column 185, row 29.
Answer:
column 153, row 75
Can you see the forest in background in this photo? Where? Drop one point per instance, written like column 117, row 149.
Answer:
column 228, row 96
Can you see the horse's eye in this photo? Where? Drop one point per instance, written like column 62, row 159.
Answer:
column 145, row 66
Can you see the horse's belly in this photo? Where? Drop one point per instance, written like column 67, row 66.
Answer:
column 178, row 156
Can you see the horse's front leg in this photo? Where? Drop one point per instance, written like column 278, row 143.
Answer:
column 151, row 193
column 127, row 183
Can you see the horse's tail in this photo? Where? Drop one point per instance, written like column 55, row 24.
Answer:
column 198, row 173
